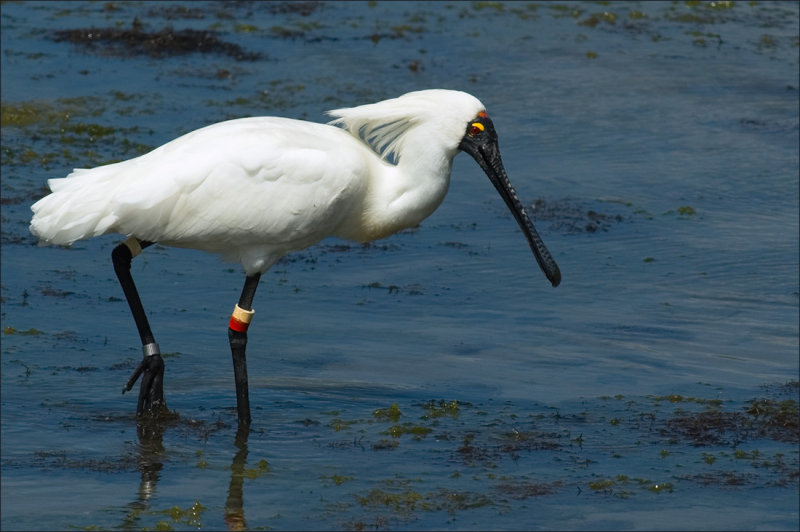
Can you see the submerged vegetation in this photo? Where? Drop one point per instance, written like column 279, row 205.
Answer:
column 77, row 136
column 166, row 41
column 705, row 442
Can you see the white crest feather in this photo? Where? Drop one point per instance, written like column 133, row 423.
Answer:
column 385, row 125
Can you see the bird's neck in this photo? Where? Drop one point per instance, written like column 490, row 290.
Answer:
column 406, row 193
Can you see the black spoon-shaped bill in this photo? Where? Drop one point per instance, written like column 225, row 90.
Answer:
column 480, row 142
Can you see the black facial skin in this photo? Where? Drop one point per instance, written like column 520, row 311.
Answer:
column 481, row 143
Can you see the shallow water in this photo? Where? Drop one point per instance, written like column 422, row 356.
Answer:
column 655, row 388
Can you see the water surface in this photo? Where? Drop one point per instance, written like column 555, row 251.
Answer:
column 434, row 379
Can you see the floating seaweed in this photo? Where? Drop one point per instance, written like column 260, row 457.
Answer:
column 165, row 42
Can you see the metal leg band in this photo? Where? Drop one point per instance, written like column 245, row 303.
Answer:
column 150, row 349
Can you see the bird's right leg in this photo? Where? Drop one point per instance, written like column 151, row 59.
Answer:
column 151, row 369
column 237, row 335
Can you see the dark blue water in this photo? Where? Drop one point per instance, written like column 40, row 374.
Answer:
column 657, row 145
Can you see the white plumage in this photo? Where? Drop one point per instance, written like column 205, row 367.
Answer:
column 254, row 189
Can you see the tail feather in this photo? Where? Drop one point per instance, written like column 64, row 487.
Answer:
column 78, row 208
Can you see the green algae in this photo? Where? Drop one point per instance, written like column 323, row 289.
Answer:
column 191, row 516
column 392, row 413
column 487, row 443
column 261, row 469
column 683, row 210
column 338, row 480
column 404, row 501
column 338, row 424
column 441, row 408
column 48, row 112
column 605, row 17
column 245, row 28
column 563, row 10
column 704, row 39
column 74, row 138
column 776, row 419
column 763, row 418
column 416, row 431
column 717, row 4
column 624, row 487
column 278, row 94
column 27, row 332
column 497, row 6
column 678, row 398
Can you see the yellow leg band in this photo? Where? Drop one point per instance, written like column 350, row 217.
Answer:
column 240, row 319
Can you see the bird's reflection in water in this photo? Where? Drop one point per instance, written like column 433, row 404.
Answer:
column 234, row 512
column 149, row 461
column 151, row 451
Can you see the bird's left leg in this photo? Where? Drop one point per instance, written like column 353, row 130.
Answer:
column 151, row 392
column 237, row 335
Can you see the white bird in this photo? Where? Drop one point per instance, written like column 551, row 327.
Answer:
column 254, row 189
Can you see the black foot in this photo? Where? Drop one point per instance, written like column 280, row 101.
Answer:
column 151, row 391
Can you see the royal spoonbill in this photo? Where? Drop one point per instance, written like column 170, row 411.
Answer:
column 254, row 189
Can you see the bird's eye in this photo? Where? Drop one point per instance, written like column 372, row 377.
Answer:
column 476, row 128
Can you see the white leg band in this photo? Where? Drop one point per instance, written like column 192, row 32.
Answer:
column 245, row 316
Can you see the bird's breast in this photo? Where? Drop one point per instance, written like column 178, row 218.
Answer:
column 393, row 203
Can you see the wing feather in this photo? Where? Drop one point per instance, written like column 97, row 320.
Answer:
column 248, row 182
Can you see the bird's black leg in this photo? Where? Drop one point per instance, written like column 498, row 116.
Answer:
column 151, row 369
column 237, row 334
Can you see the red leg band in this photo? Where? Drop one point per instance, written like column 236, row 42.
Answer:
column 240, row 319
column 237, row 325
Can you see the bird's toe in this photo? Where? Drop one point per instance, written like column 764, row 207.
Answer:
column 151, row 390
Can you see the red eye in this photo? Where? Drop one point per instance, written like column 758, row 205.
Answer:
column 475, row 130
